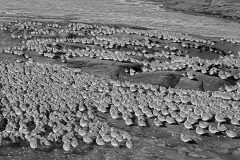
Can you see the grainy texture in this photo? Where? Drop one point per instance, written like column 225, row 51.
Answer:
column 91, row 91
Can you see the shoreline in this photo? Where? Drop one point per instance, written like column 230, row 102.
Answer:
column 172, row 5
column 67, row 20
column 64, row 21
column 141, row 26
column 236, row 19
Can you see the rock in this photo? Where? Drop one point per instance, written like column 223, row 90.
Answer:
column 161, row 78
column 187, row 83
column 66, row 35
column 198, row 149
column 183, row 151
column 195, row 155
column 211, row 83
column 105, row 71
column 161, row 144
column 236, row 152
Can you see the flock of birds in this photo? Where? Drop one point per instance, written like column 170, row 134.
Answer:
column 109, row 48
column 43, row 115
column 68, row 110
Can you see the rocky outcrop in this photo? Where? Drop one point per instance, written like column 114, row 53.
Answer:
column 221, row 8
column 187, row 83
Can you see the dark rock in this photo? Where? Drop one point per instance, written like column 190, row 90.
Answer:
column 211, row 83
column 236, row 152
column 66, row 35
column 161, row 78
column 187, row 83
column 183, row 150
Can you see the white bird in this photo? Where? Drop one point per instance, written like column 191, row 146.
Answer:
column 200, row 130
column 221, row 127
column 185, row 138
column 212, row 129
column 231, row 134
column 129, row 144
column 188, row 125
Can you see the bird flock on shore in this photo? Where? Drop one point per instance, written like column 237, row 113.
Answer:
column 109, row 48
column 45, row 103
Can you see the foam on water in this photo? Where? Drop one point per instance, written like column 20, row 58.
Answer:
column 133, row 12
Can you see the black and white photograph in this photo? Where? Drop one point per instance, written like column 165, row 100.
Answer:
column 119, row 79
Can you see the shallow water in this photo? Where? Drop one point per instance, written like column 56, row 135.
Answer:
column 123, row 11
